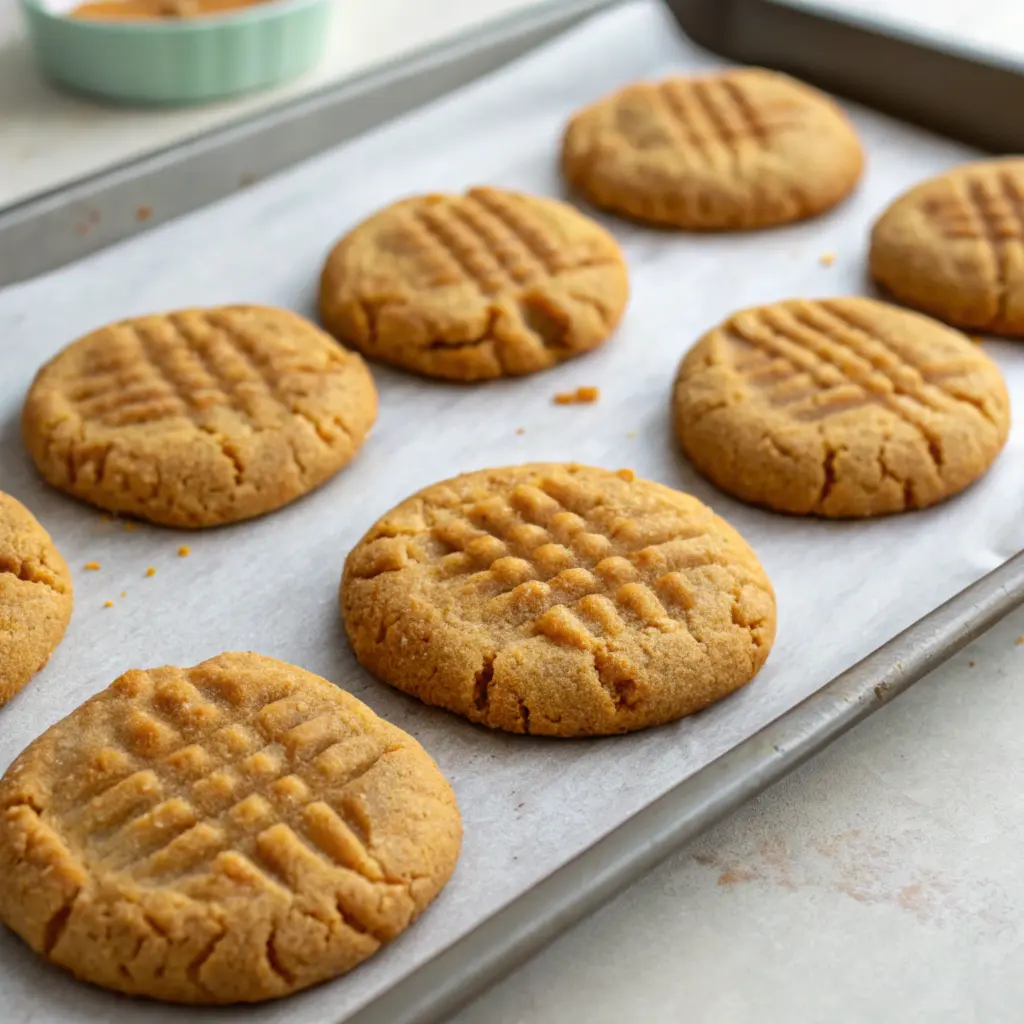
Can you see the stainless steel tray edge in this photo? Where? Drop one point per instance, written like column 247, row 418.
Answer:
column 523, row 927
column 51, row 230
column 948, row 88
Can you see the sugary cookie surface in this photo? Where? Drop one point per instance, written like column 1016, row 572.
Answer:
column 745, row 148
column 844, row 407
column 475, row 286
column 36, row 596
column 231, row 832
column 559, row 600
column 199, row 417
column 954, row 247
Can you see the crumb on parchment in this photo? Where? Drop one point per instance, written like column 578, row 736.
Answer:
column 826, row 259
column 108, row 604
column 1020, row 640
column 91, row 567
column 520, row 430
column 184, row 551
column 581, row 396
column 151, row 571
column 124, row 593
column 128, row 526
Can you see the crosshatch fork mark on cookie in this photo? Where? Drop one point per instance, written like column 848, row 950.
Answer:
column 191, row 786
column 717, row 114
column 536, row 553
column 183, row 366
column 816, row 361
column 483, row 238
column 550, row 558
column 988, row 209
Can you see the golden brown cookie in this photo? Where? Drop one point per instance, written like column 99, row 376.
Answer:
column 486, row 284
column 558, row 600
column 744, row 148
column 954, row 247
column 845, row 407
column 36, row 596
column 199, row 417
column 226, row 833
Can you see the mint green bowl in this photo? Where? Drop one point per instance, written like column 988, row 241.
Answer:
column 190, row 60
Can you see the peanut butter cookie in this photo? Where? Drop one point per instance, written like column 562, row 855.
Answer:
column 200, row 417
column 954, row 247
column 36, row 597
column 839, row 408
column 227, row 833
column 558, row 600
column 745, row 148
column 471, row 287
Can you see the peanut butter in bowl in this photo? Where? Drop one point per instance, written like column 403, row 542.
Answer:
column 175, row 52
column 156, row 10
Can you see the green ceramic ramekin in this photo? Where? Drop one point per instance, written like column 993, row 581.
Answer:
column 187, row 60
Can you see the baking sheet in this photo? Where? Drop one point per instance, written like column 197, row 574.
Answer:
column 270, row 585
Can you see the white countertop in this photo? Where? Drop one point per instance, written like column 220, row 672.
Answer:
column 48, row 138
column 880, row 882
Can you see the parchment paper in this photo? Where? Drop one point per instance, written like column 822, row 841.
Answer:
column 270, row 585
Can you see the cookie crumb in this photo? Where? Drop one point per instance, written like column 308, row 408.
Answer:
column 626, row 474
column 184, row 552
column 1020, row 640
column 581, row 396
column 124, row 593
column 520, row 430
column 91, row 567
column 128, row 526
column 108, row 604
column 151, row 571
column 970, row 664
column 827, row 259
column 143, row 213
